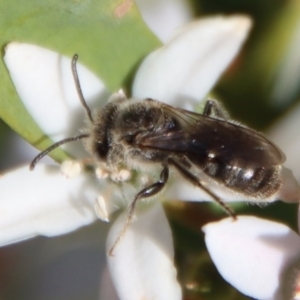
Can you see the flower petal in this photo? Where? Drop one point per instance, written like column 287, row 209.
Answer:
column 163, row 17
column 290, row 189
column 286, row 85
column 252, row 254
column 45, row 84
column 183, row 71
column 285, row 134
column 107, row 289
column 142, row 263
column 43, row 202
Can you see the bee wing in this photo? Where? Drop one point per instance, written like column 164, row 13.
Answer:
column 199, row 137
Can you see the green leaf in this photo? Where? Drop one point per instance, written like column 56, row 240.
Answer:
column 110, row 45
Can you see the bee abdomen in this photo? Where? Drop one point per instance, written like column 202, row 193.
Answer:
column 263, row 183
column 259, row 182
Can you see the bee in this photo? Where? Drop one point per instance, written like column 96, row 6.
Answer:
column 139, row 133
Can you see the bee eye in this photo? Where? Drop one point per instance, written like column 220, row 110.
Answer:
column 101, row 149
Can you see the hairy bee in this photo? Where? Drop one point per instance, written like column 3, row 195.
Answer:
column 138, row 133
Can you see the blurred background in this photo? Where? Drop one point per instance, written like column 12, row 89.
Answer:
column 260, row 88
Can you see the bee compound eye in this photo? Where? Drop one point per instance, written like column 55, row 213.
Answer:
column 101, row 149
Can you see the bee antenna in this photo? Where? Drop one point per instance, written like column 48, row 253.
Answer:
column 52, row 147
column 78, row 87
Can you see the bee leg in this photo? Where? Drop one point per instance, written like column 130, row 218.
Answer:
column 149, row 191
column 213, row 109
column 195, row 180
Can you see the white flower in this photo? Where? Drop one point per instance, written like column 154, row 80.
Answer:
column 286, row 85
column 49, row 204
column 165, row 16
column 258, row 257
column 285, row 134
